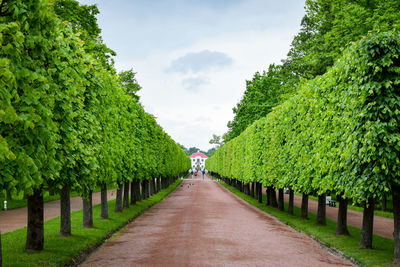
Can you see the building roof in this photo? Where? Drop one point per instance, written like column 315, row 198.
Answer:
column 198, row 154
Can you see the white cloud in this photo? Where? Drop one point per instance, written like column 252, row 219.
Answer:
column 195, row 100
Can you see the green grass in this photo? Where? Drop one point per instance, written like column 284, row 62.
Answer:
column 381, row 255
column 60, row 250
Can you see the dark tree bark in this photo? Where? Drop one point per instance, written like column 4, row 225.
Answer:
column 8, row 192
column 259, row 192
column 159, row 184
column 291, row 202
column 126, row 195
column 104, row 200
column 252, row 190
column 384, row 200
column 151, row 187
column 138, row 195
column 341, row 225
column 304, row 207
column 65, row 207
column 118, row 199
column 133, row 194
column 247, row 189
column 146, row 189
column 396, row 218
column 88, row 210
column 35, row 230
column 256, row 190
column 321, row 213
column 368, row 224
column 281, row 201
column 274, row 202
column 268, row 196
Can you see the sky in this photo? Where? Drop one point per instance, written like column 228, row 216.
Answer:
column 193, row 57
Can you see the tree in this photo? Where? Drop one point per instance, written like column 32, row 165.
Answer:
column 130, row 83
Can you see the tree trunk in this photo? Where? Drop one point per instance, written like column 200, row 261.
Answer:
column 35, row 227
column 65, row 207
column 368, row 224
column 151, row 187
column 321, row 213
column 259, row 192
column 291, row 202
column 104, row 200
column 274, row 202
column 138, row 196
column 384, row 200
column 133, row 194
column 304, row 207
column 247, row 187
column 341, row 225
column 396, row 218
column 268, row 196
column 252, row 190
column 118, row 199
column 281, row 201
column 8, row 192
column 126, row 195
column 88, row 211
column 159, row 184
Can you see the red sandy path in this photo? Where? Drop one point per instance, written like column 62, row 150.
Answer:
column 203, row 224
column 11, row 220
column 382, row 226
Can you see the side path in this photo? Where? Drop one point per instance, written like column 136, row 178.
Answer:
column 11, row 220
column 382, row 226
column 203, row 224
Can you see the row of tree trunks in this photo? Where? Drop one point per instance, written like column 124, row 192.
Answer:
column 252, row 191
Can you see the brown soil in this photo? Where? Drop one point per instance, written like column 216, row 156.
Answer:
column 11, row 220
column 202, row 224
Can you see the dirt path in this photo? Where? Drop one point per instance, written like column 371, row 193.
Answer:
column 202, row 224
column 11, row 220
column 382, row 226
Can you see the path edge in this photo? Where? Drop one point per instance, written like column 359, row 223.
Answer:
column 84, row 254
column 332, row 250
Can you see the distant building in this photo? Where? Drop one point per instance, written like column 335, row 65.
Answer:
column 198, row 160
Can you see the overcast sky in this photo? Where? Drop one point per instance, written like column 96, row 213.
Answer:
column 193, row 57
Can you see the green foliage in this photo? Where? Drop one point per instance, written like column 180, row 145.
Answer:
column 130, row 83
column 338, row 133
column 61, row 250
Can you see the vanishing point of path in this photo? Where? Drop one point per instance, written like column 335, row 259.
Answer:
column 203, row 224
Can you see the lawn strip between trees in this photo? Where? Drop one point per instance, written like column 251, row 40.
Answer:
column 347, row 246
column 69, row 251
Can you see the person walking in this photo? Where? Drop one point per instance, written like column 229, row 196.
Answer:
column 202, row 173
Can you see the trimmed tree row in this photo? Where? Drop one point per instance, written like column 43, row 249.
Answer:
column 339, row 134
column 67, row 123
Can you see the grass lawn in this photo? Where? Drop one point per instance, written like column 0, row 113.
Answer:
column 60, row 250
column 381, row 255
